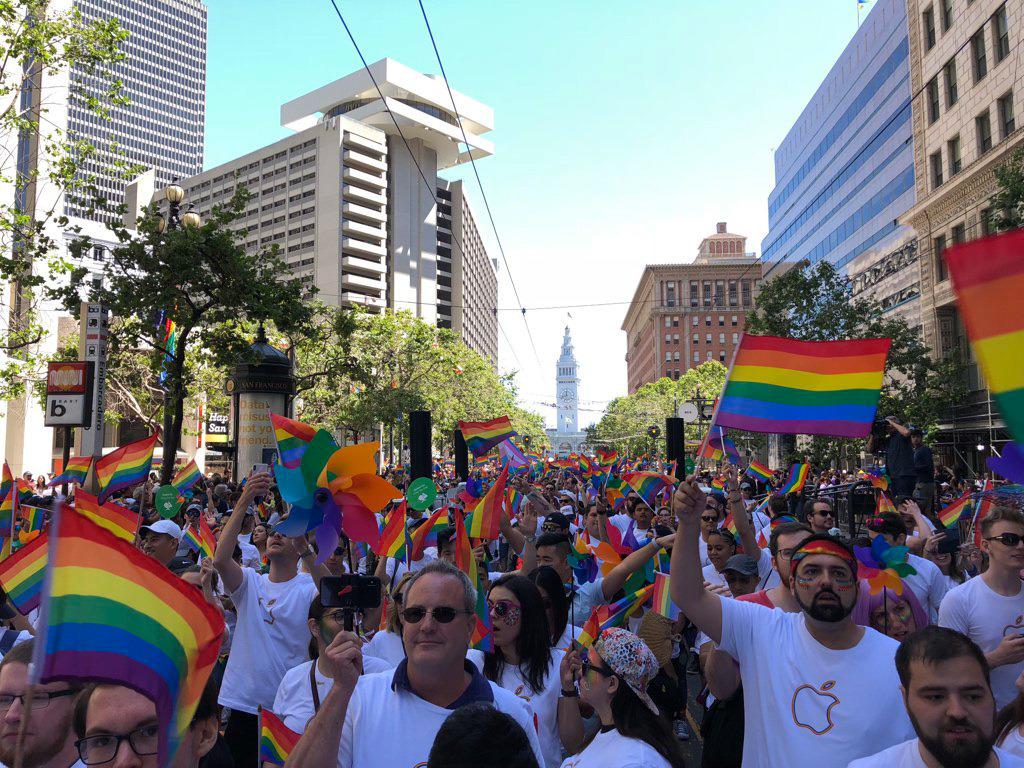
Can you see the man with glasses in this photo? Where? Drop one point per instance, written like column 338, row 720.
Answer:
column 989, row 608
column 710, row 519
column 118, row 727
column 358, row 720
column 49, row 742
column 782, row 543
column 819, row 516
column 806, row 694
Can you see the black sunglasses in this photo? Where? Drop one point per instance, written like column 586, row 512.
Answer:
column 1007, row 539
column 589, row 665
column 442, row 614
column 709, row 518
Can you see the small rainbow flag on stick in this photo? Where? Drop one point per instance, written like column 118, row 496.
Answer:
column 292, row 438
column 804, row 387
column 950, row 514
column 649, row 485
column 884, row 504
column 74, row 473
column 988, row 278
column 662, row 602
column 120, row 521
column 125, row 467
column 199, row 538
column 486, row 523
column 481, row 436
column 276, row 740
column 758, row 470
column 795, row 480
column 186, row 477
column 112, row 613
column 613, row 615
column 395, row 536
column 21, row 574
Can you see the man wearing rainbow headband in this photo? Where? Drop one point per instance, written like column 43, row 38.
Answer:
column 816, row 685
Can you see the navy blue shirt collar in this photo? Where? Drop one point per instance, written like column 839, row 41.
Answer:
column 478, row 690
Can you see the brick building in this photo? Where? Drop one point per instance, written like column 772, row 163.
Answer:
column 683, row 315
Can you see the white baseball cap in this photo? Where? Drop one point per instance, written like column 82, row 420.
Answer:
column 164, row 527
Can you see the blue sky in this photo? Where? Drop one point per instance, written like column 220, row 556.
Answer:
column 623, row 132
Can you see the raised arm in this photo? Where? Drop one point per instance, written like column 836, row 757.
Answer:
column 230, row 571
column 741, row 516
column 687, row 584
column 613, row 582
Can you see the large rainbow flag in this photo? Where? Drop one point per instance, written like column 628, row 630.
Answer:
column 186, row 477
column 988, row 278
column 125, row 467
column 649, row 485
column 292, row 438
column 120, row 521
column 21, row 574
column 74, row 473
column 112, row 614
column 481, row 436
column 276, row 740
column 804, row 387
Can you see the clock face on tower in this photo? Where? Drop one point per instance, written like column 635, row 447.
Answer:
column 566, row 397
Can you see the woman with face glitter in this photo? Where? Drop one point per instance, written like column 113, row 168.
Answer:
column 524, row 663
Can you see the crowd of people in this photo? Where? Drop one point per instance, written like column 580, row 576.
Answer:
column 790, row 650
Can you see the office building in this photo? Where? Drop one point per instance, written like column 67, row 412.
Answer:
column 964, row 70
column 683, row 315
column 845, row 171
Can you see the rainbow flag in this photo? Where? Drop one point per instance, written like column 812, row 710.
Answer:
column 515, row 501
column 613, row 615
column 486, row 522
column 794, row 482
column 718, row 484
column 8, row 480
column 116, row 615
column 718, row 446
column 426, row 534
column 74, row 473
column 481, row 436
column 729, row 524
column 33, row 518
column 615, row 490
column 884, row 504
column 982, row 507
column 186, row 477
column 9, row 507
column 758, row 470
column 511, row 455
column 464, row 559
column 276, row 740
column 988, row 279
column 483, row 633
column 292, row 438
column 394, row 536
column 21, row 574
column 804, row 387
column 876, row 476
column 120, row 521
column 125, row 467
column 606, row 457
column 649, row 485
column 950, row 514
column 662, row 598
column 200, row 538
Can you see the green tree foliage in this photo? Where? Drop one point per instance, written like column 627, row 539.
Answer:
column 38, row 44
column 1008, row 203
column 203, row 279
column 817, row 304
column 626, row 419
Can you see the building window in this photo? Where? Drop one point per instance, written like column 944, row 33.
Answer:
column 696, row 338
column 707, row 338
column 949, row 72
column 675, row 338
column 947, row 15
column 670, row 295
column 668, row 357
column 983, row 128
column 1000, row 34
column 696, row 321
column 710, row 353
column 706, row 289
column 696, row 357
column 676, row 356
column 721, row 357
column 675, row 322
column 939, row 248
column 735, row 338
column 694, row 294
column 721, row 321
column 733, row 294
column 959, row 234
column 985, row 218
column 707, row 320
column 668, row 322
column 953, row 150
column 935, row 161
column 721, row 338
column 928, row 23
column 978, row 60
column 668, row 338
column 1006, row 121
column 933, row 99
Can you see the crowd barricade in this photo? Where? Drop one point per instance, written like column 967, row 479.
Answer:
column 851, row 503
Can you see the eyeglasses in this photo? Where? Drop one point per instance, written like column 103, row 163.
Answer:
column 787, row 554
column 500, row 608
column 442, row 614
column 39, row 700
column 709, row 518
column 97, row 750
column 336, row 616
column 589, row 665
column 1007, row 539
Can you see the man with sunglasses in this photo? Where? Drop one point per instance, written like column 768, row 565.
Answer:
column 390, row 718
column 814, row 682
column 989, row 608
column 118, row 727
column 49, row 741
column 819, row 515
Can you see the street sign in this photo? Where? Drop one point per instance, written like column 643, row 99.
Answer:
column 688, row 411
column 708, row 410
column 92, row 347
column 68, row 390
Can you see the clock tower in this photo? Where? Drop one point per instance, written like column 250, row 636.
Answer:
column 566, row 392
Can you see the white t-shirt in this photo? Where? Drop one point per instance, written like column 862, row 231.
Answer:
column 702, row 547
column 929, row 585
column 973, row 609
column 768, row 576
column 376, row 713
column 620, row 521
column 387, row 647
column 1013, row 743
column 584, row 600
column 294, row 700
column 544, row 705
column 613, row 750
column 805, row 703
column 908, row 755
column 571, row 633
column 270, row 636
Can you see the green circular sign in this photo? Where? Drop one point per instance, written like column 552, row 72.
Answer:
column 421, row 493
column 166, row 501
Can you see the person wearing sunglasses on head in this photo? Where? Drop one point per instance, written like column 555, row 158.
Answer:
column 614, row 675
column 390, row 718
column 524, row 663
column 989, row 608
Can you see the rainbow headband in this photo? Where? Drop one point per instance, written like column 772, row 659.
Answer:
column 824, row 547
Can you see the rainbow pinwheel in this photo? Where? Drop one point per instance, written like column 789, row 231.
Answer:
column 883, row 565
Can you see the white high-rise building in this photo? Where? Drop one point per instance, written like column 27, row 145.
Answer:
column 566, row 436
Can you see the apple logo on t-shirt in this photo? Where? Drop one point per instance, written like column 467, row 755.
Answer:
column 812, row 707
column 1015, row 628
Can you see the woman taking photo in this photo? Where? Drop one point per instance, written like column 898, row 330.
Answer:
column 614, row 677
column 524, row 663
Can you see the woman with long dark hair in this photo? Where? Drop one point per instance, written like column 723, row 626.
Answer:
column 556, row 606
column 1009, row 724
column 614, row 679
column 524, row 663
